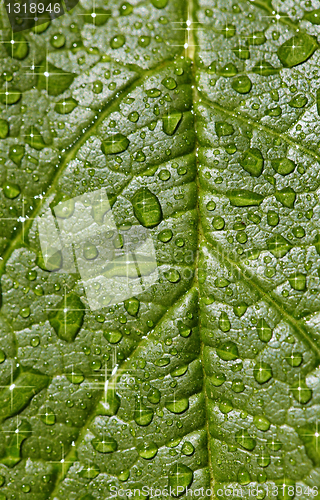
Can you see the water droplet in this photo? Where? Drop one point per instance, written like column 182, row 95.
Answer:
column 241, row 84
column 90, row 251
column 144, row 41
column 177, row 405
column 54, row 80
column 154, row 395
column 283, row 166
column 165, row 235
column 261, row 423
column 10, row 97
column 238, row 386
column 262, row 372
column 244, row 198
column 66, row 106
column 47, row 416
column 223, row 129
column 97, row 87
column 2, row 356
column 35, row 341
column 58, row 40
column 75, row 376
column 164, row 175
column 90, row 471
column 106, row 445
column 134, row 116
column 64, row 209
column 169, row 83
column 171, row 122
column 218, row 223
column 147, row 208
column 153, row 93
column 173, row 276
column 162, row 361
column 242, row 52
column 4, row 128
column 228, row 70
column 11, row 190
column 142, row 414
column 25, row 312
column 298, row 281
column 68, row 317
column 252, row 161
column 297, row 49
column 225, row 406
column 117, row 41
column 240, row 309
column 298, row 101
column 245, row 440
column 272, row 218
column 18, row 48
column 132, row 306
column 278, row 245
column 125, row 9
column 256, row 38
column 263, row 460
column 264, row 330
column 113, row 336
column 224, row 323
column 243, row 477
column 115, row 144
column 187, row 448
column 180, row 477
column 228, row 351
column 16, row 153
column 99, row 17
column 147, row 450
column 298, row 232
column 295, row 359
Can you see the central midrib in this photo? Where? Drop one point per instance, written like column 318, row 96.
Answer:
column 190, row 53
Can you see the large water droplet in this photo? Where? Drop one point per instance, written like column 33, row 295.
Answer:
column 147, row 208
column 241, row 84
column 105, row 445
column 283, row 166
column 142, row 414
column 115, row 144
column 11, row 190
column 297, row 49
column 264, row 330
column 47, row 416
column 261, row 423
column 298, row 281
column 132, row 306
column 252, row 161
column 177, row 405
column 262, row 372
column 117, row 41
column 244, row 198
column 180, row 477
column 54, row 80
column 16, row 153
column 67, row 318
column 278, row 245
column 223, row 129
column 171, row 122
column 245, row 440
column 65, row 106
column 228, row 351
column 147, row 450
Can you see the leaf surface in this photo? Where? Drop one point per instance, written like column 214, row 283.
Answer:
column 199, row 123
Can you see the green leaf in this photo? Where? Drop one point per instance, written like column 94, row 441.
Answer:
column 188, row 130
